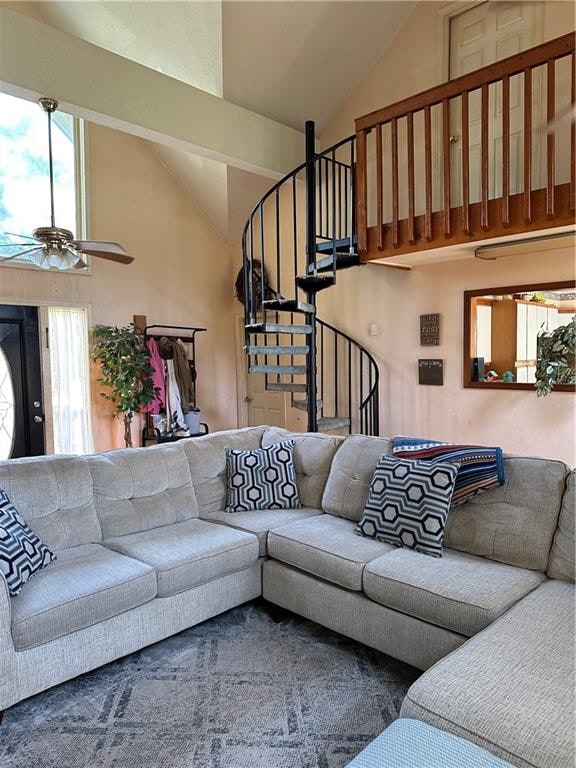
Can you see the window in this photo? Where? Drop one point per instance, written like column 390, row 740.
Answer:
column 69, row 366
column 24, row 179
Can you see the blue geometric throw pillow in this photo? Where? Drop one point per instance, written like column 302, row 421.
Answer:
column 408, row 503
column 263, row 478
column 22, row 553
column 481, row 469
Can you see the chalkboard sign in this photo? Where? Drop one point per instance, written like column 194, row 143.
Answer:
column 430, row 330
column 431, row 372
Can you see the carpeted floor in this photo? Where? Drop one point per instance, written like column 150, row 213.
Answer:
column 239, row 691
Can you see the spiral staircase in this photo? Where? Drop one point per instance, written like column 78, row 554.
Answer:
column 297, row 240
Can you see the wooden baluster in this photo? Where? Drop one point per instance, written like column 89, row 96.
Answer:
column 484, row 161
column 361, row 193
column 528, row 145
column 550, row 138
column 506, row 151
column 379, row 190
column 395, row 233
column 573, row 141
column 465, row 164
column 446, row 154
column 410, row 137
column 428, row 173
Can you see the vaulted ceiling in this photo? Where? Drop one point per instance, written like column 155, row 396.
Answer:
column 290, row 60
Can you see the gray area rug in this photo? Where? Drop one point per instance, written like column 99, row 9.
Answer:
column 239, row 691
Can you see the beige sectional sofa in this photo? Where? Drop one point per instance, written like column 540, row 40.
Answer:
column 145, row 549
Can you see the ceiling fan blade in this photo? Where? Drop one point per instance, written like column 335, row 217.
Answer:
column 110, row 251
column 22, row 253
column 14, row 234
column 14, row 245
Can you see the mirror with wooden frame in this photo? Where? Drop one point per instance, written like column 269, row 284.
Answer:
column 501, row 327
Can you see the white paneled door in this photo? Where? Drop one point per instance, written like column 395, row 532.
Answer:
column 480, row 36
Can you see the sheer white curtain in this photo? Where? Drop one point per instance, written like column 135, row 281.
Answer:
column 69, row 363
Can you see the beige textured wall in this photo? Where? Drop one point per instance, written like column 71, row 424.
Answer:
column 517, row 420
column 181, row 275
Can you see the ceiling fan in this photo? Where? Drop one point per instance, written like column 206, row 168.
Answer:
column 53, row 247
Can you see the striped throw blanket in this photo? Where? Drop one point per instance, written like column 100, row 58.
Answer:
column 480, row 469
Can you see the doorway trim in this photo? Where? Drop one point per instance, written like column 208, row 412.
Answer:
column 241, row 373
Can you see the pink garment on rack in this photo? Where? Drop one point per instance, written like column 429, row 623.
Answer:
column 157, row 379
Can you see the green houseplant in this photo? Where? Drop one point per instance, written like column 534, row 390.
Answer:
column 126, row 371
column 555, row 363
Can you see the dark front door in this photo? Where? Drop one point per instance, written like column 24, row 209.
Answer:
column 21, row 411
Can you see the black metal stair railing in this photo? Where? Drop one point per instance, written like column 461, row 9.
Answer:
column 299, row 235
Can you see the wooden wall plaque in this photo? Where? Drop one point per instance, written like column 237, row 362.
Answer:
column 430, row 330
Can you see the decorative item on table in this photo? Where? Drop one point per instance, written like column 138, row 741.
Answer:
column 430, row 330
column 508, row 377
column 478, row 369
column 491, row 376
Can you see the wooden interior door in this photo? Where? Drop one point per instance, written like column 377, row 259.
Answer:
column 478, row 37
column 264, row 407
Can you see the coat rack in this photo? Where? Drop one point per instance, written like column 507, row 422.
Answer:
column 186, row 334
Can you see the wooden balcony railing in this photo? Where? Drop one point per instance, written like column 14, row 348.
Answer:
column 487, row 154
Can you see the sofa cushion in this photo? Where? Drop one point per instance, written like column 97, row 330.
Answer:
column 460, row 592
column 86, row 585
column 408, row 503
column 325, row 546
column 54, row 495
column 260, row 521
column 351, row 474
column 136, row 489
column 313, row 455
column 261, row 478
column 561, row 562
column 187, row 554
column 22, row 553
column 206, row 458
column 510, row 688
column 515, row 523
column 410, row 743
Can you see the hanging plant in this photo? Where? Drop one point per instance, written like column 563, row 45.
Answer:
column 126, row 371
column 555, row 365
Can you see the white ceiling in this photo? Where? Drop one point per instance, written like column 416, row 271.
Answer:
column 290, row 60
column 297, row 61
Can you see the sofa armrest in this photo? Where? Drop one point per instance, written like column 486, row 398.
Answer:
column 5, row 616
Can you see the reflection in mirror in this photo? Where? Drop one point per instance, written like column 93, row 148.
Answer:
column 502, row 327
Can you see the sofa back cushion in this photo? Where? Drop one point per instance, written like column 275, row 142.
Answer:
column 349, row 480
column 561, row 562
column 207, row 463
column 136, row 489
column 54, row 495
column 515, row 523
column 313, row 455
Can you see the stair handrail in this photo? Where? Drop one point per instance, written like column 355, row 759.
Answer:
column 373, row 394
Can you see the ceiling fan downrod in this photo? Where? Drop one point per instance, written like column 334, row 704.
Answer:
column 49, row 106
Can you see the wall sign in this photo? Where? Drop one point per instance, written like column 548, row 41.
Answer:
column 430, row 330
column 431, row 371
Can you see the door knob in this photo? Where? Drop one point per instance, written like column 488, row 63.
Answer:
column 247, row 399
column 38, row 419
column 453, row 139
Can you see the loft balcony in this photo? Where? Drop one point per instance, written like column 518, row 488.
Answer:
column 489, row 155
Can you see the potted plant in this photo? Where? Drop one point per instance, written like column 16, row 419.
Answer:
column 555, row 364
column 126, row 371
